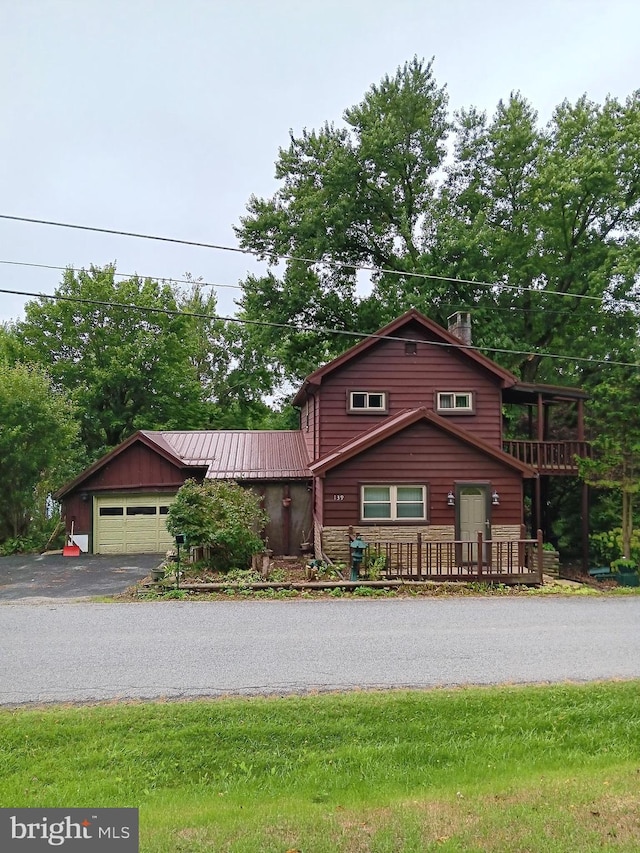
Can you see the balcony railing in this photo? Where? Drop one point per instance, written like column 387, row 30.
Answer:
column 549, row 457
column 490, row 560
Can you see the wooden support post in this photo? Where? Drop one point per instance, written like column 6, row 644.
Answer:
column 419, row 554
column 480, row 554
column 540, row 423
column 585, row 528
column 580, row 420
column 537, row 521
column 540, row 557
column 286, row 519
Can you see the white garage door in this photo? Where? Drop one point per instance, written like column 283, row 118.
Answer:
column 131, row 524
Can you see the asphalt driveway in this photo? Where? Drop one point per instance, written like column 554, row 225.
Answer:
column 34, row 576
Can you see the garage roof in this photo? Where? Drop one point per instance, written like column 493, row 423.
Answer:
column 238, row 454
column 225, row 454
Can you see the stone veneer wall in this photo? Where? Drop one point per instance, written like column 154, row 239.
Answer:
column 335, row 540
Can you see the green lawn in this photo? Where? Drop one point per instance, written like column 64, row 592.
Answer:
column 553, row 768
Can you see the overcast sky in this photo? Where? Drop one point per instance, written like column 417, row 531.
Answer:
column 164, row 116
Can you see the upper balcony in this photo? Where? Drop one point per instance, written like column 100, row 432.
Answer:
column 549, row 457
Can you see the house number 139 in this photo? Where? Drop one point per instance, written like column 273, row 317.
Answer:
column 338, row 497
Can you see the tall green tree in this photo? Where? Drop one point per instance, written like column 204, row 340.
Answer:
column 233, row 382
column 350, row 196
column 615, row 438
column 9, row 344
column 535, row 212
column 125, row 368
column 39, row 446
column 547, row 212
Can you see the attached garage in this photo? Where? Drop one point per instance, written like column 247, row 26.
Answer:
column 119, row 504
column 131, row 524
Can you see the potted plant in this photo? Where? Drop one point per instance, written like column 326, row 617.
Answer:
column 626, row 571
column 158, row 574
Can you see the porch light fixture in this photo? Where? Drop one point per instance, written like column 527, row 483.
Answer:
column 495, row 498
column 451, row 499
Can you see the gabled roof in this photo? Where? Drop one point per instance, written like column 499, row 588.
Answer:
column 390, row 331
column 226, row 454
column 234, row 454
column 143, row 437
column 401, row 421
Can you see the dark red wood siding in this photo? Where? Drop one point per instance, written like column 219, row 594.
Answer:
column 309, row 425
column 421, row 454
column 411, row 381
column 138, row 468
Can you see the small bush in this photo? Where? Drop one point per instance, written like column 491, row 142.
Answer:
column 624, row 566
column 222, row 516
column 607, row 547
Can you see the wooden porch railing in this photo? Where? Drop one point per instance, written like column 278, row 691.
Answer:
column 549, row 457
column 490, row 560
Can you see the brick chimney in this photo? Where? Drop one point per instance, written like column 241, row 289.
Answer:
column 460, row 326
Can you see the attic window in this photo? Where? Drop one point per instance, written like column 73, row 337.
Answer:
column 411, row 348
column 454, row 402
column 362, row 402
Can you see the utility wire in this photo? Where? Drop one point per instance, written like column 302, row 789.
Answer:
column 171, row 279
column 318, row 330
column 123, row 274
column 284, row 257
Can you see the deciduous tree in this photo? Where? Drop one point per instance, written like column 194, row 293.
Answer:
column 125, row 368
column 616, row 442
column 39, row 446
column 519, row 218
column 349, row 196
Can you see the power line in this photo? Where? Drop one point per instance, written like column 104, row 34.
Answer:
column 318, row 330
column 162, row 278
column 285, row 257
column 171, row 279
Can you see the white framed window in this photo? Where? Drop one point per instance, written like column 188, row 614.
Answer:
column 367, row 401
column 393, row 503
column 454, row 401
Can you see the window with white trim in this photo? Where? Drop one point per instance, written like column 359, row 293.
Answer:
column 454, row 401
column 393, row 503
column 367, row 401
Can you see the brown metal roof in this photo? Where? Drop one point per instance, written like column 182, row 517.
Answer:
column 527, row 392
column 239, row 454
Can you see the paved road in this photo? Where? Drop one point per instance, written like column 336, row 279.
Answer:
column 35, row 576
column 81, row 652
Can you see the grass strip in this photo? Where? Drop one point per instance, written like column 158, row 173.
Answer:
column 511, row 768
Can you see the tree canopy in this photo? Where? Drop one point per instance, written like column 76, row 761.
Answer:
column 38, row 445
column 515, row 217
column 163, row 364
column 613, row 417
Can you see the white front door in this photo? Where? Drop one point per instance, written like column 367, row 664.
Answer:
column 472, row 519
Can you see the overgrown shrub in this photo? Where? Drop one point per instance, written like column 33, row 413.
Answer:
column 607, row 547
column 222, row 516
